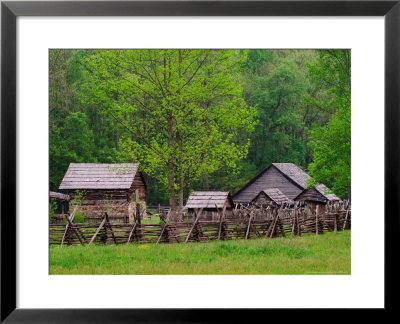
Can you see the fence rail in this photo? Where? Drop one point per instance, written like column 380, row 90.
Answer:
column 247, row 223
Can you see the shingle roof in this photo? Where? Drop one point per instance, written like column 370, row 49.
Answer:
column 208, row 199
column 99, row 176
column 300, row 177
column 275, row 195
column 293, row 172
column 323, row 190
column 58, row 195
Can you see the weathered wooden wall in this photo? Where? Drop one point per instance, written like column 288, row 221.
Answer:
column 271, row 178
column 210, row 214
column 118, row 203
column 95, row 203
column 262, row 199
column 311, row 195
column 138, row 183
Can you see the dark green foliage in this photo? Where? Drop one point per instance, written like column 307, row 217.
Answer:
column 331, row 142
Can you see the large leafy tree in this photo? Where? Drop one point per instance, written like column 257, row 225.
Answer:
column 182, row 109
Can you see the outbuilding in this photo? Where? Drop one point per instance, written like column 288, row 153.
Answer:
column 318, row 194
column 59, row 205
column 287, row 177
column 100, row 188
column 212, row 204
column 271, row 196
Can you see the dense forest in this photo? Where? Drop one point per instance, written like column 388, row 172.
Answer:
column 201, row 119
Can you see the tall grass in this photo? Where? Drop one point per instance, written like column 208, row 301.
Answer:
column 329, row 253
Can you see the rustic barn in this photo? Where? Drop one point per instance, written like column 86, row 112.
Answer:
column 62, row 202
column 268, row 196
column 212, row 203
column 100, row 188
column 287, row 177
column 319, row 193
column 316, row 199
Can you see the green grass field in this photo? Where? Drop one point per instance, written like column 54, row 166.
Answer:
column 329, row 253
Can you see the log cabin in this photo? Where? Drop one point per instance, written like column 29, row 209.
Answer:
column 287, row 177
column 271, row 196
column 320, row 193
column 212, row 203
column 62, row 202
column 100, row 188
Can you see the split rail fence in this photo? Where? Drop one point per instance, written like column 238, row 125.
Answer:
column 246, row 223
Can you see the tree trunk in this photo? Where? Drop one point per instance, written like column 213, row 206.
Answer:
column 180, row 209
column 205, row 183
column 171, row 191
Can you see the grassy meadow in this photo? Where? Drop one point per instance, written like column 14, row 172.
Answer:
column 329, row 253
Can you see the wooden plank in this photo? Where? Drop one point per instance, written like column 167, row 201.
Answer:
column 248, row 225
column 294, row 222
column 78, row 234
column 274, row 214
column 98, row 230
column 163, row 229
column 67, row 226
column 110, row 227
column 274, row 224
column 335, row 223
column 194, row 223
column 345, row 220
column 131, row 232
column 220, row 222
column 298, row 226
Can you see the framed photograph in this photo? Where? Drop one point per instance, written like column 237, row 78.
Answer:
column 160, row 159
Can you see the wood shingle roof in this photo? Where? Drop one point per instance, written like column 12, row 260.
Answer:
column 293, row 172
column 324, row 191
column 208, row 199
column 275, row 195
column 58, row 195
column 99, row 176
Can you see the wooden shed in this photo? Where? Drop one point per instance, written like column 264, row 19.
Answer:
column 212, row 203
column 316, row 199
column 101, row 188
column 320, row 193
column 62, row 201
column 268, row 196
column 287, row 177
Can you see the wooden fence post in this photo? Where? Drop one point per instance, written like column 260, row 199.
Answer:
column 298, row 225
column 164, row 226
column 110, row 228
column 294, row 221
column 67, row 226
column 194, row 223
column 220, row 222
column 273, row 223
column 131, row 232
column 345, row 220
column 78, row 234
column 335, row 223
column 98, row 230
column 248, row 225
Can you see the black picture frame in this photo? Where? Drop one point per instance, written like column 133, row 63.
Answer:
column 10, row 10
